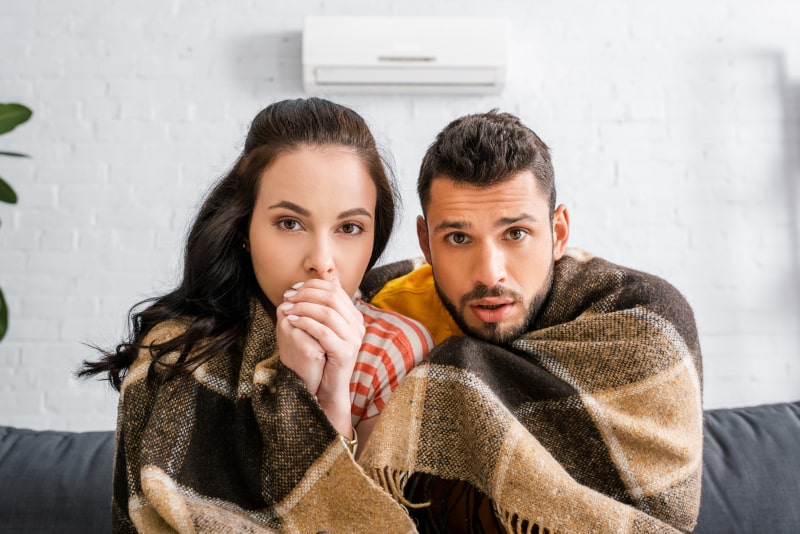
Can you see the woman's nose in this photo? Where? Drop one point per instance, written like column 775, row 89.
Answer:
column 319, row 261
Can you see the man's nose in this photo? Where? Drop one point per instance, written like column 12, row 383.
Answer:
column 490, row 265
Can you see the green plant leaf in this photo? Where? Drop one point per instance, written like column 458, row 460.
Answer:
column 6, row 193
column 3, row 316
column 12, row 115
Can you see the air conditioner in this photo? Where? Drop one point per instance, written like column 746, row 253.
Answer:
column 404, row 54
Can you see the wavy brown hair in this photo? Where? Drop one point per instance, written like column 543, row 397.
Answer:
column 218, row 281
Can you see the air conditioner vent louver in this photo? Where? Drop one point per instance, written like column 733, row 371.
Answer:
column 404, row 54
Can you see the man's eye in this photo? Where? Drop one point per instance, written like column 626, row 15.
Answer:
column 515, row 234
column 457, row 238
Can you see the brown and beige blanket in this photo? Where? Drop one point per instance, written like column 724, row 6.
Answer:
column 591, row 422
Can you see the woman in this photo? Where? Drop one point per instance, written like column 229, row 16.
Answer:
column 233, row 384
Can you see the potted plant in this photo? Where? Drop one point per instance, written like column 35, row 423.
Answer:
column 11, row 116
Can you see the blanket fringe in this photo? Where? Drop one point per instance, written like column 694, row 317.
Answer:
column 395, row 483
column 512, row 522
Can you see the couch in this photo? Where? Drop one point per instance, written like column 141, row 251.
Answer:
column 60, row 482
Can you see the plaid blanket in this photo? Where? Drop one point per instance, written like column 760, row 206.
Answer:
column 240, row 445
column 592, row 422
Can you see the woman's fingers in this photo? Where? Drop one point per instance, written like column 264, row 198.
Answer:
column 325, row 312
column 322, row 312
column 331, row 318
column 327, row 304
column 325, row 293
column 340, row 348
column 300, row 352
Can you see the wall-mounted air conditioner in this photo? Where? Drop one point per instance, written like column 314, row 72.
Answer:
column 404, row 54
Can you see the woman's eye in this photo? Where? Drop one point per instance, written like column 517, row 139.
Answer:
column 457, row 238
column 351, row 229
column 515, row 234
column 289, row 224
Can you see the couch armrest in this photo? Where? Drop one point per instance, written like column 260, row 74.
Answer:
column 751, row 470
column 55, row 481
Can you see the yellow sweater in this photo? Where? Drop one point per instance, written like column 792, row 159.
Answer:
column 414, row 295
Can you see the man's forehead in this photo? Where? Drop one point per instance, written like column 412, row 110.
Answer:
column 517, row 192
column 524, row 175
column 454, row 206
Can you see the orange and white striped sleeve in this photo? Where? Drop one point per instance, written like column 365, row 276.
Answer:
column 392, row 346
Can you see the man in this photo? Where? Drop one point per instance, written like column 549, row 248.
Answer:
column 490, row 232
column 574, row 399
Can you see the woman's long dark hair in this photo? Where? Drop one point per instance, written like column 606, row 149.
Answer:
column 218, row 280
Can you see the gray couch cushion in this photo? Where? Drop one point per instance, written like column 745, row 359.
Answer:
column 55, row 481
column 751, row 471
column 61, row 481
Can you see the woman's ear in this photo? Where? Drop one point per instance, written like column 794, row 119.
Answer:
column 244, row 240
column 560, row 231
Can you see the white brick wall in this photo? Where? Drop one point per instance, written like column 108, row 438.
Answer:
column 675, row 129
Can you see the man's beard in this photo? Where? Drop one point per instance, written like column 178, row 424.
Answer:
column 492, row 332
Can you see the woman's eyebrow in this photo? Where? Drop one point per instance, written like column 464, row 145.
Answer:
column 291, row 206
column 305, row 213
column 354, row 212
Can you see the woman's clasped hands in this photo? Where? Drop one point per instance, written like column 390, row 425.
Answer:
column 319, row 334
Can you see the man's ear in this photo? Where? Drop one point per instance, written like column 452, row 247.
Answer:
column 422, row 237
column 560, row 231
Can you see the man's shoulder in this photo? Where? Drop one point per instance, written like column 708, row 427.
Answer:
column 580, row 268
column 418, row 281
column 585, row 283
column 413, row 294
column 407, row 293
column 377, row 278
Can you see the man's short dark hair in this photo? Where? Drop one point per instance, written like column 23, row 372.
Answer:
column 483, row 150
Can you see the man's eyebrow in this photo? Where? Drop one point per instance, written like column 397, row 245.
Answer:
column 290, row 206
column 451, row 225
column 465, row 225
column 506, row 221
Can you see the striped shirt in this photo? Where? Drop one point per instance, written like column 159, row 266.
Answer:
column 392, row 346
